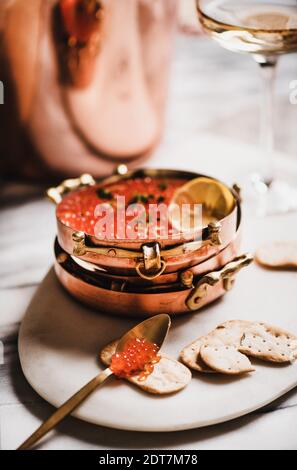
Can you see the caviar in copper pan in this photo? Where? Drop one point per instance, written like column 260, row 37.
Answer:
column 77, row 210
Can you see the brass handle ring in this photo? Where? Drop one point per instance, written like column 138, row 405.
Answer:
column 149, row 277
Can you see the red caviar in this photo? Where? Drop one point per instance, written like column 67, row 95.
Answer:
column 77, row 209
column 138, row 358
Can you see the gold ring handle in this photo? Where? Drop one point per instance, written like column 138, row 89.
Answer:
column 149, row 277
column 150, row 266
column 56, row 194
column 226, row 275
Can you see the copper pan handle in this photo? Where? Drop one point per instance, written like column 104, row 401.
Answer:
column 226, row 275
column 149, row 262
column 56, row 194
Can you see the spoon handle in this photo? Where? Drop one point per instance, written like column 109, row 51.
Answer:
column 65, row 409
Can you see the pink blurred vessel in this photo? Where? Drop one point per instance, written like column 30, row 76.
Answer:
column 87, row 102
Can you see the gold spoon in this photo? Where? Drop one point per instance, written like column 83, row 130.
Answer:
column 154, row 330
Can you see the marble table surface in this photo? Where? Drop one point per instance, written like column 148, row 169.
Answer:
column 213, row 93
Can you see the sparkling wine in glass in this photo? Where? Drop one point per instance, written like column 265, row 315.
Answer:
column 265, row 29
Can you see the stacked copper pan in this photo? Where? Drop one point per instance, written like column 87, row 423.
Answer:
column 147, row 277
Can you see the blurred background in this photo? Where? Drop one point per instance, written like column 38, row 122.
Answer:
column 115, row 85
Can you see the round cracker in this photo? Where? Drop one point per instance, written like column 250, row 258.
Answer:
column 230, row 332
column 227, row 333
column 168, row 376
column 278, row 255
column 190, row 356
column 107, row 352
column 225, row 359
column 269, row 343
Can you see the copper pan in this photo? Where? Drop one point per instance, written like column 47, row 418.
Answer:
column 151, row 259
column 184, row 277
column 171, row 299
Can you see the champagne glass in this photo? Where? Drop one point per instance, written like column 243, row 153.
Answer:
column 265, row 29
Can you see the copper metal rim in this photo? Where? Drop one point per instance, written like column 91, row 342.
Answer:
column 121, row 282
column 117, row 264
column 127, row 257
column 132, row 244
column 145, row 301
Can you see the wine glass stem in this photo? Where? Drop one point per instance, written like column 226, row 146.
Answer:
column 268, row 72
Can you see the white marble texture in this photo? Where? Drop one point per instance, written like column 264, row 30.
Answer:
column 58, row 354
column 213, row 92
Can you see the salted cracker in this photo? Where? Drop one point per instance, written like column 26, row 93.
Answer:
column 278, row 255
column 269, row 343
column 190, row 356
column 225, row 359
column 168, row 376
column 228, row 333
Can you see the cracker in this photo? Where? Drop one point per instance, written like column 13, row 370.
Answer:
column 168, row 376
column 107, row 353
column 225, row 359
column 190, row 356
column 269, row 343
column 231, row 340
column 278, row 255
column 279, row 332
column 230, row 332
